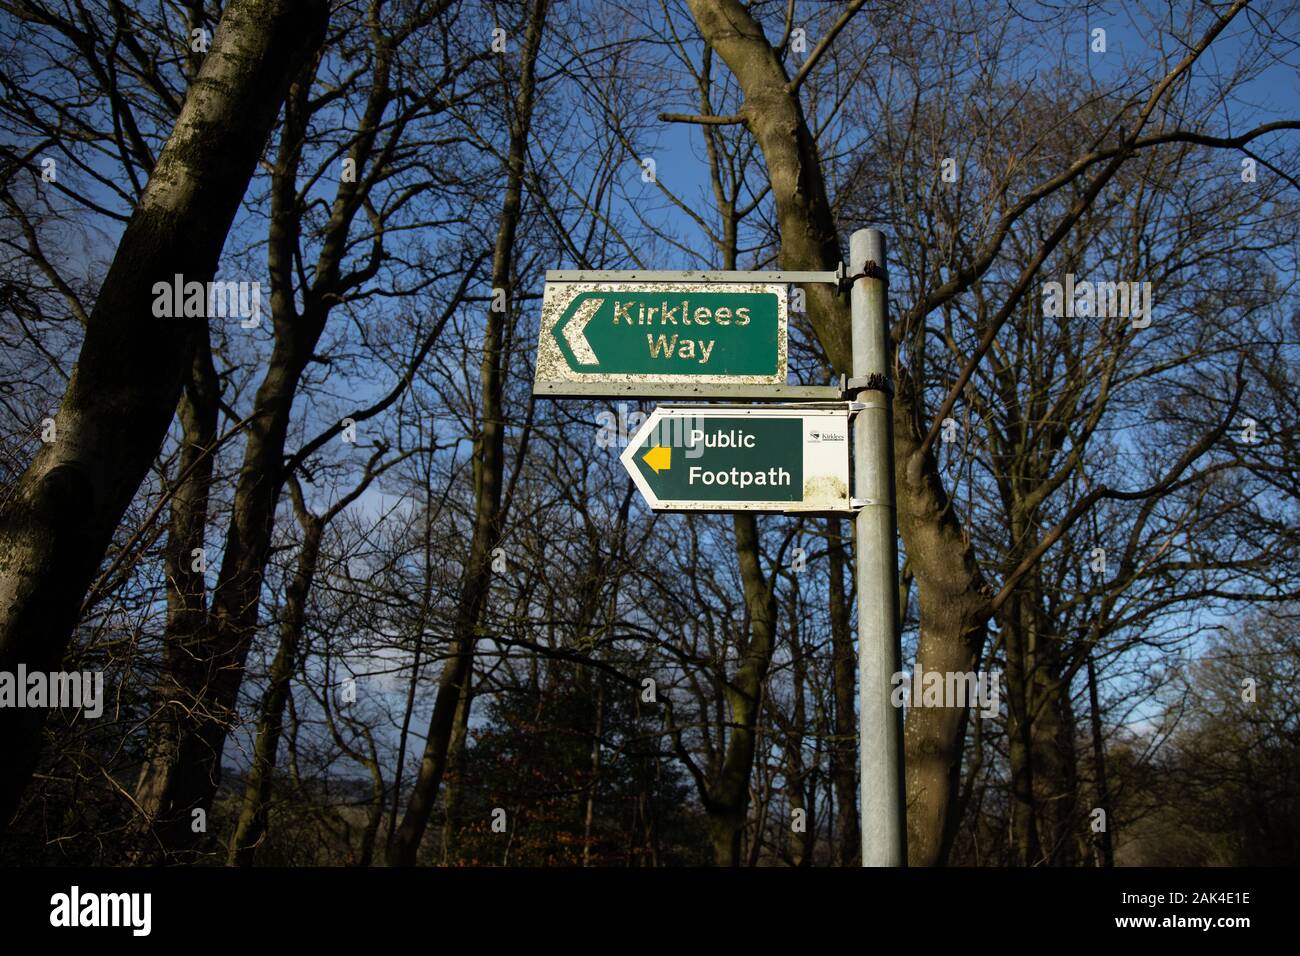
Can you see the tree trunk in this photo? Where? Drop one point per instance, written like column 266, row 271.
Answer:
column 953, row 598
column 1026, row 845
column 57, row 525
column 174, row 785
column 844, row 752
column 455, row 783
column 589, row 813
column 174, row 721
column 728, row 799
column 488, row 474
column 1056, row 779
column 1104, row 839
column 797, row 774
column 251, row 826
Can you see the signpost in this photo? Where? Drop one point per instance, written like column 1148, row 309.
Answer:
column 880, row 724
column 724, row 335
column 620, row 333
column 785, row 458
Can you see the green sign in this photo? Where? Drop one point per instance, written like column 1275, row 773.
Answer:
column 670, row 333
column 606, row 332
column 736, row 458
column 723, row 459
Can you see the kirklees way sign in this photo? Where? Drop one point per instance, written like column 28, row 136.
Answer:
column 627, row 333
column 783, row 458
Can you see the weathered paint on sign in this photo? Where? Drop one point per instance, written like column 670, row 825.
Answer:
column 683, row 332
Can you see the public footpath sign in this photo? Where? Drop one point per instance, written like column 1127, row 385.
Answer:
column 780, row 458
column 709, row 335
column 620, row 333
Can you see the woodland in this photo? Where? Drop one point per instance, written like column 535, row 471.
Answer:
column 358, row 597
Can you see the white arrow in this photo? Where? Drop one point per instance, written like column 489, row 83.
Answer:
column 634, row 446
column 573, row 332
column 825, row 463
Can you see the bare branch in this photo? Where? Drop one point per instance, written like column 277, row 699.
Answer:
column 823, row 45
column 732, row 120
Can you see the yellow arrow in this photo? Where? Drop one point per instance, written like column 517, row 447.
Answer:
column 659, row 458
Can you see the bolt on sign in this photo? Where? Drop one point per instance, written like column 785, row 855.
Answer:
column 780, row 458
column 609, row 333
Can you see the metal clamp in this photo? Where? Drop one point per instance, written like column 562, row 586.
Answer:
column 842, row 284
column 872, row 383
column 855, row 407
column 857, row 504
column 870, row 270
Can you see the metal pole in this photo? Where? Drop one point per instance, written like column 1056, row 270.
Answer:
column 884, row 834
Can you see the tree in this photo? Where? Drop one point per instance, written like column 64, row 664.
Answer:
column 956, row 599
column 379, row 172
column 488, row 470
column 56, row 523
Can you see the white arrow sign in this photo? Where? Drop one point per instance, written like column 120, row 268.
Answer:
column 779, row 458
column 573, row 332
column 610, row 337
